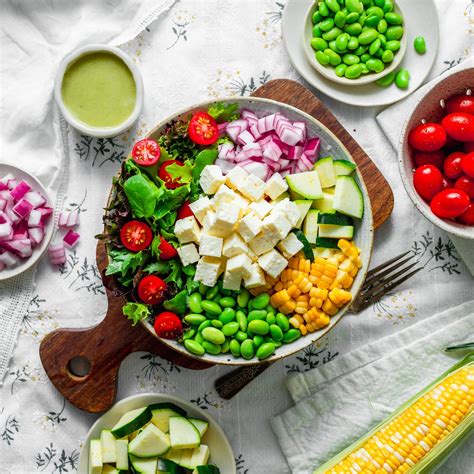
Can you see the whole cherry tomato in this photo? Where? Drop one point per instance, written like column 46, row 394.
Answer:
column 467, row 164
column 427, row 137
column 452, row 165
column 203, row 129
column 184, row 211
column 151, row 289
column 467, row 217
column 450, row 203
column 146, row 152
column 434, row 158
column 459, row 126
column 167, row 251
column 428, row 181
column 460, row 103
column 136, row 236
column 468, row 147
column 171, row 174
column 168, row 325
column 466, row 184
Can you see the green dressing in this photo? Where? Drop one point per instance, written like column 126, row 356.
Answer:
column 99, row 90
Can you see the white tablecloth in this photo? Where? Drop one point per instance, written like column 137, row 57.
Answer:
column 196, row 51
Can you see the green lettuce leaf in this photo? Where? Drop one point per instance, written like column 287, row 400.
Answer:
column 136, row 312
column 223, row 112
column 141, row 194
column 178, row 303
column 123, row 262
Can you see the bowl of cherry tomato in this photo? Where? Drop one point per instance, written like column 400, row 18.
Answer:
column 436, row 155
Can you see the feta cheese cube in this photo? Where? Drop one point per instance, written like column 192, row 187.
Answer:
column 252, row 255
column 225, row 219
column 231, row 281
column 210, row 245
column 234, row 245
column 263, row 243
column 289, row 208
column 208, row 270
column 253, row 188
column 208, row 221
column 249, row 226
column 261, row 208
column 224, row 194
column 256, row 278
column 211, row 178
column 235, row 178
column 240, row 265
column 187, row 230
column 290, row 245
column 276, row 225
column 272, row 263
column 201, row 207
column 275, row 186
column 241, row 203
column 188, row 254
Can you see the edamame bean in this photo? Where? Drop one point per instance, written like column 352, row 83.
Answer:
column 332, row 45
column 211, row 348
column 420, row 45
column 270, row 309
column 366, row 3
column 365, row 57
column 256, row 314
column 194, row 347
column 227, row 315
column 240, row 336
column 247, row 349
column 372, row 21
column 393, row 18
column 387, row 56
column 194, row 303
column 317, row 17
column 383, row 40
column 387, row 6
column 234, row 347
column 292, row 334
column 394, row 33
column 318, row 44
column 361, row 50
column 382, row 26
column 242, row 320
column 230, row 328
column 211, row 307
column 198, row 338
column 353, row 43
column 375, row 11
column 189, row 333
column 265, row 350
column 353, row 72
column 402, row 79
column 282, row 320
column 365, row 69
column 326, row 25
column 216, row 323
column 334, row 58
column 270, row 319
column 205, row 324
column 362, row 19
column 216, row 298
column 350, row 59
column 333, row 5
column 213, row 335
column 317, row 33
column 378, row 53
column 379, row 3
column 393, row 45
column 374, row 46
column 225, row 347
column 332, row 34
column 227, row 302
column 367, row 36
column 340, row 70
column 276, row 332
column 323, row 9
column 258, row 340
column 244, row 296
column 194, row 319
column 354, row 6
column 258, row 326
column 342, row 41
column 261, row 301
column 212, row 293
column 355, row 29
column 340, row 19
column 375, row 65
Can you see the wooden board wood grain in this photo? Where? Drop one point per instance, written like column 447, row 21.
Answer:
column 108, row 343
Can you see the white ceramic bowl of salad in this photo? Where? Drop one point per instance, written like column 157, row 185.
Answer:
column 221, row 453
column 330, row 145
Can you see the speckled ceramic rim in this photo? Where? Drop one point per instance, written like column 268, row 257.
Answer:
column 220, row 441
column 367, row 221
column 405, row 164
column 328, row 72
column 100, row 132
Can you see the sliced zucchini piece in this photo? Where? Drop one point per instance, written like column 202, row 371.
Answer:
column 121, row 447
column 108, row 444
column 344, row 167
column 183, row 434
column 334, row 219
column 306, row 184
column 208, row 469
column 325, row 169
column 173, row 455
column 109, row 469
column 162, row 468
column 201, row 425
column 149, row 443
column 161, row 413
column 348, row 198
column 171, row 406
column 172, row 467
column 131, row 421
column 200, row 456
column 326, row 243
column 95, row 457
column 325, row 203
column 310, row 226
column 336, row 231
column 143, row 465
column 307, row 249
column 303, row 207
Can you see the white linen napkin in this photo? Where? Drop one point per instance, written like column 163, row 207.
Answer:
column 393, row 119
column 341, row 401
column 33, row 42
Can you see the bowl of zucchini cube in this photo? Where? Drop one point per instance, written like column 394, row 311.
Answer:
column 156, row 434
column 238, row 231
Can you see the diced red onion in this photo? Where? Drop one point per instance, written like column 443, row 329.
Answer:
column 252, row 150
column 23, row 208
column 20, row 247
column 295, row 152
column 6, row 196
column 249, row 116
column 58, row 260
column 20, row 235
column 8, row 259
column 289, row 136
column 235, row 128
column 245, row 138
column 36, row 235
column 311, row 148
column 271, row 151
column 45, row 212
column 70, row 239
column 221, row 128
column 3, row 204
column 224, row 149
column 6, row 231
column 224, row 165
column 254, row 131
column 12, row 183
column 4, row 218
column 12, row 216
column 300, row 127
column 35, row 199
column 3, row 186
column 20, row 190
column 34, row 219
column 266, row 124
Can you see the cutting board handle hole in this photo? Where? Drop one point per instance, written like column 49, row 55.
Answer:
column 79, row 367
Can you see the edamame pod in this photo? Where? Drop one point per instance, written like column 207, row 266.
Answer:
column 323, row 9
column 365, row 69
column 213, row 335
column 247, row 349
column 354, row 6
column 194, row 347
column 204, row 324
column 377, row 11
column 258, row 340
column 244, row 296
column 341, row 42
column 198, row 338
column 240, row 336
column 265, row 350
column 317, row 17
column 372, row 21
column 353, row 43
column 276, row 332
column 361, row 50
column 332, row 45
column 317, row 33
column 402, row 79
column 420, row 45
column 387, row 6
column 365, row 57
column 216, row 323
column 270, row 319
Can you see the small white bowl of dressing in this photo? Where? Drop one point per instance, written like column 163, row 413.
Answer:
column 99, row 90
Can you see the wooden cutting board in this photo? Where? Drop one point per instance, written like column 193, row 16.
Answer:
column 103, row 347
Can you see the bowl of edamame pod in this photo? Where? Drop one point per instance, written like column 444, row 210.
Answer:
column 354, row 42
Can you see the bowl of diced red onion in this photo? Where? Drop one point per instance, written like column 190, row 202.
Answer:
column 26, row 221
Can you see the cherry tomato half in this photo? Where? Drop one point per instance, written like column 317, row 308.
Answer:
column 434, row 158
column 168, row 325
column 428, row 181
column 151, row 289
column 452, row 165
column 167, row 251
column 460, row 103
column 146, row 152
column 427, row 137
column 459, row 126
column 467, row 164
column 184, row 211
column 171, row 179
column 136, row 236
column 466, row 184
column 450, row 203
column 203, row 129
column 467, row 217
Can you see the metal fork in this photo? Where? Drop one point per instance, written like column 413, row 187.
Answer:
column 378, row 282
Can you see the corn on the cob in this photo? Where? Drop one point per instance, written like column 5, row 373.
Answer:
column 400, row 444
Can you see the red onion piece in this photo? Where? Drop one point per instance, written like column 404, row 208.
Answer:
column 8, row 259
column 23, row 208
column 35, row 199
column 34, row 219
column 36, row 235
column 224, row 165
column 70, row 239
column 6, row 231
column 20, row 190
